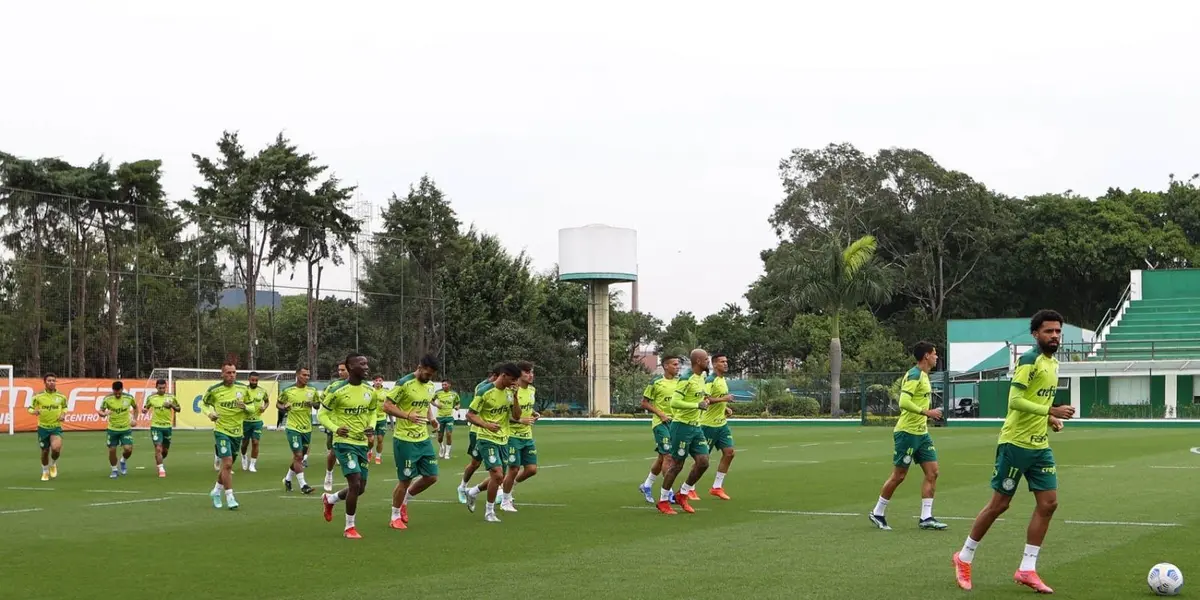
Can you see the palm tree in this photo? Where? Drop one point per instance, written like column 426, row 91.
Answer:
column 831, row 279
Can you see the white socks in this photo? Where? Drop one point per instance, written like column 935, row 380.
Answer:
column 407, row 496
column 649, row 480
column 967, row 554
column 253, row 463
column 288, row 477
column 329, row 475
column 229, row 495
column 926, row 508
column 719, row 481
column 448, row 447
column 1029, row 558
column 45, row 469
column 881, row 507
column 489, row 509
column 349, row 521
column 217, row 489
column 54, row 462
column 395, row 513
column 664, row 495
column 300, row 479
column 685, row 489
column 332, row 498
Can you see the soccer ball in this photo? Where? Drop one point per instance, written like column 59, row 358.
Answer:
column 1165, row 579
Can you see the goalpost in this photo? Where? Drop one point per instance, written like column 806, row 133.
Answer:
column 179, row 377
column 6, row 379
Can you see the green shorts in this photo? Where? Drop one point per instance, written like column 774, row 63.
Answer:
column 446, row 424
column 662, row 438
column 472, row 439
column 1012, row 462
column 718, row 437
column 252, row 430
column 45, row 434
column 521, row 452
column 353, row 459
column 414, row 459
column 298, row 441
column 912, row 448
column 226, row 445
column 161, row 436
column 687, row 440
column 118, row 438
column 491, row 454
column 381, row 427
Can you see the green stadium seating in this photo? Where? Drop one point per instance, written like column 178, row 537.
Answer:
column 1159, row 329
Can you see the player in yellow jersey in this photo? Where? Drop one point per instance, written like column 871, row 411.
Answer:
column 349, row 412
column 50, row 408
column 225, row 404
column 657, row 399
column 416, row 462
column 911, row 440
column 523, row 458
column 298, row 401
column 121, row 411
column 714, row 422
column 490, row 412
column 447, row 401
column 1024, row 451
column 161, row 407
column 330, row 459
column 380, row 421
column 472, row 438
column 691, row 398
column 252, row 428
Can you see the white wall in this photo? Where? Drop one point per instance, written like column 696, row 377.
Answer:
column 964, row 355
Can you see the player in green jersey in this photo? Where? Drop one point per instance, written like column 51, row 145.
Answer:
column 409, row 402
column 226, row 406
column 349, row 412
column 298, row 401
column 447, row 401
column 1024, row 451
column 912, row 441
column 121, row 411
column 657, row 399
column 380, row 421
column 490, row 412
column 252, row 428
column 50, row 408
column 472, row 438
column 522, row 463
column 714, row 422
column 330, row 459
column 161, row 407
column 690, row 399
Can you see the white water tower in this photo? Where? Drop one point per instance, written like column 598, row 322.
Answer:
column 598, row 256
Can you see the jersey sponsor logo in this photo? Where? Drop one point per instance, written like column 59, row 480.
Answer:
column 1038, row 439
column 1044, row 392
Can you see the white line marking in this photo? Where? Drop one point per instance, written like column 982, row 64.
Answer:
column 1196, row 450
column 1131, row 523
column 129, row 501
column 1171, row 467
column 605, row 462
column 32, row 489
column 843, row 514
column 187, row 493
column 807, row 513
column 1067, row 466
column 19, row 510
column 776, row 447
column 955, row 518
column 647, row 507
column 794, row 462
column 112, row 491
column 520, row 504
column 809, row 444
column 551, row 466
column 274, row 489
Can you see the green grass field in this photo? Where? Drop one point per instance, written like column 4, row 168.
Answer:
column 796, row 527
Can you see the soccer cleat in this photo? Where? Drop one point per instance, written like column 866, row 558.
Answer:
column 232, row 504
column 718, row 492
column 397, row 524
column 328, row 484
column 491, row 518
column 351, row 534
column 404, row 512
column 378, row 461
column 162, row 473
column 962, row 573
column 665, row 508
column 113, row 475
column 328, row 510
column 216, row 499
column 682, row 501
column 253, row 469
column 306, row 489
column 305, row 461
column 647, row 492
column 45, row 476
column 462, row 496
column 1031, row 579
column 53, row 471
column 471, row 498
column 932, row 524
column 287, row 485
column 123, row 468
column 508, row 506
column 245, row 463
column 879, row 521
column 692, row 495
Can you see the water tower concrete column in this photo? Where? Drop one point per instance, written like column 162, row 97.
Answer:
column 599, row 382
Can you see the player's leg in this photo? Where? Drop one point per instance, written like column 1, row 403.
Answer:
column 722, row 440
column 245, row 451
column 1005, row 477
column 56, row 442
column 493, row 459
column 469, row 471
column 448, row 428
column 255, row 436
column 44, row 449
column 126, row 451
column 1043, row 482
column 698, row 449
column 158, row 453
column 902, row 457
column 662, row 438
column 528, row 462
column 329, row 461
column 926, row 456
column 112, row 441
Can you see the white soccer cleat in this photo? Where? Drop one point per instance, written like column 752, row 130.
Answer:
column 328, row 484
column 507, row 506
column 245, row 463
column 252, row 469
column 491, row 518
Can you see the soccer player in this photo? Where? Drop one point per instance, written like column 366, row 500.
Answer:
column 657, row 399
column 162, row 408
column 686, row 436
column 380, row 421
column 409, row 402
column 349, row 412
column 447, row 402
column 912, row 441
column 297, row 401
column 226, row 406
column 50, row 407
column 330, row 459
column 121, row 411
column 1024, row 450
column 714, row 422
column 252, row 428
column 490, row 412
column 522, row 463
column 472, row 437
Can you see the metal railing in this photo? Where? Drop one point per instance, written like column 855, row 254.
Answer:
column 1110, row 315
column 1119, row 350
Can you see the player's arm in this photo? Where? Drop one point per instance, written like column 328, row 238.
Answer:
column 283, row 403
column 35, row 407
column 457, row 402
column 102, row 409
column 476, row 420
column 1019, row 388
column 648, row 404
column 724, row 397
column 677, row 401
column 908, row 391
column 208, row 404
column 325, row 414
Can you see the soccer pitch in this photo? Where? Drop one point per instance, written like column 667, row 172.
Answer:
column 795, row 528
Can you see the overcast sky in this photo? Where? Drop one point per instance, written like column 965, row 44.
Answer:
column 667, row 117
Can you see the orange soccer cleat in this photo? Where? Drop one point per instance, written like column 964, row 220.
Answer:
column 328, row 509
column 692, row 495
column 682, row 501
column 962, row 572
column 718, row 492
column 398, row 524
column 352, row 534
column 1031, row 579
column 404, row 513
column 664, row 507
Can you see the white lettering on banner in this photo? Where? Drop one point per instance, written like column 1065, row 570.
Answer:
column 96, row 394
column 24, row 396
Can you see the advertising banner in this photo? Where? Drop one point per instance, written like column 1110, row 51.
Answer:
column 83, row 398
column 190, row 392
